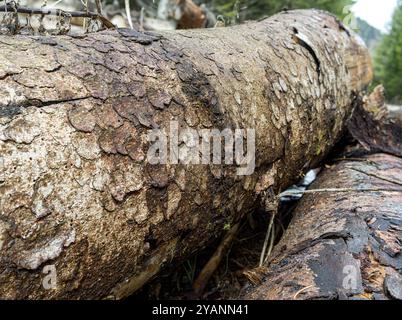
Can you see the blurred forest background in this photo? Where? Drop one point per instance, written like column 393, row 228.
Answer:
column 386, row 48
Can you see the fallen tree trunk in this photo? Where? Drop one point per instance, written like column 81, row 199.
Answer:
column 79, row 197
column 342, row 245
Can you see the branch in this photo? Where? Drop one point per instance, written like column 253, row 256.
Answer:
column 213, row 263
column 128, row 13
column 335, row 190
column 56, row 12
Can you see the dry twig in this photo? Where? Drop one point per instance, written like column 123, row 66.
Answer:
column 213, row 263
column 371, row 174
column 334, row 190
column 128, row 13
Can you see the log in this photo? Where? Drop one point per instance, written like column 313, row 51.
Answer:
column 84, row 210
column 185, row 14
column 192, row 15
column 342, row 245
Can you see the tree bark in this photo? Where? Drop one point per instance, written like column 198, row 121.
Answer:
column 342, row 245
column 76, row 189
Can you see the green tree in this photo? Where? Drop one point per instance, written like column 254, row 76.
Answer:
column 388, row 59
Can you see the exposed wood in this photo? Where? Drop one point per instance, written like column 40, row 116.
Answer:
column 342, row 245
column 77, row 190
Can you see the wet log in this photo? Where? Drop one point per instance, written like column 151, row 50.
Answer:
column 84, row 213
column 342, row 245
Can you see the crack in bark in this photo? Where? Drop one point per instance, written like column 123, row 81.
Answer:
column 41, row 104
column 301, row 40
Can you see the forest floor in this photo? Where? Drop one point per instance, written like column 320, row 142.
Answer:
column 231, row 277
